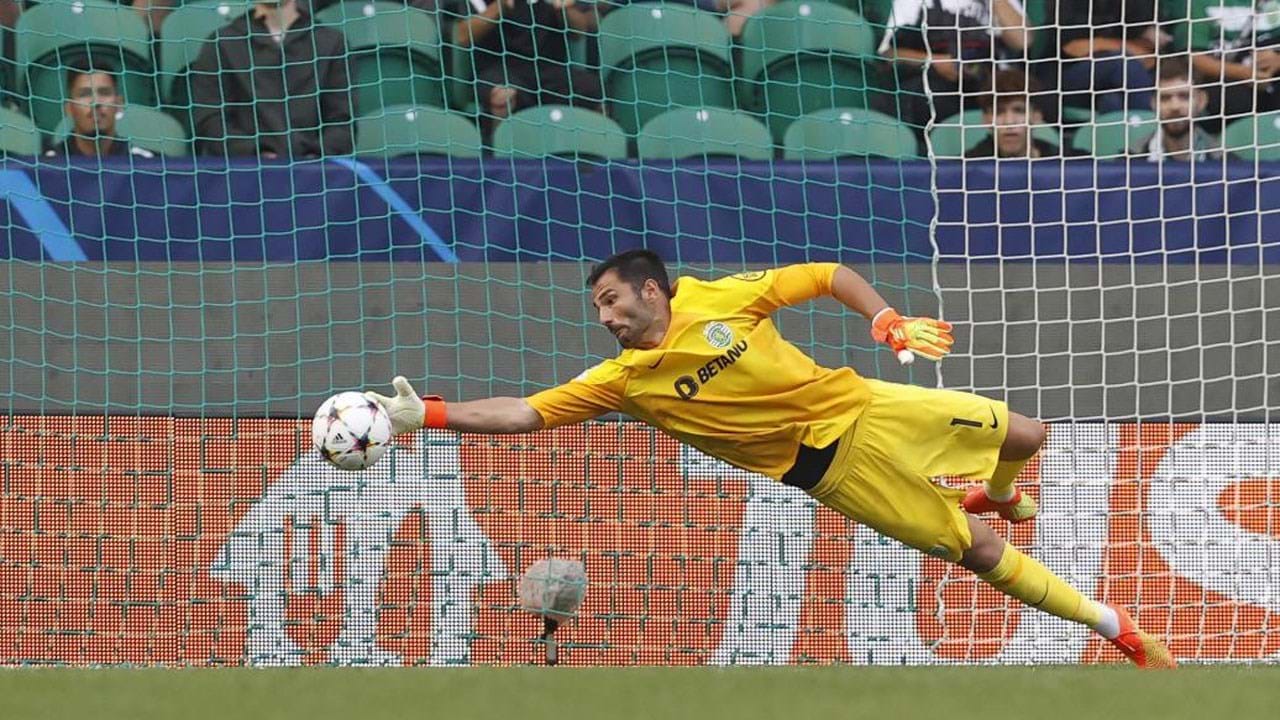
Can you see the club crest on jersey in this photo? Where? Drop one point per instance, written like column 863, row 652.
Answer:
column 718, row 335
column 686, row 386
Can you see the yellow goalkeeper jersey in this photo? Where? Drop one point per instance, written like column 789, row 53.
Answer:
column 724, row 380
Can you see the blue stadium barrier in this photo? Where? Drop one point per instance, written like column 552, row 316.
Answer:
column 721, row 211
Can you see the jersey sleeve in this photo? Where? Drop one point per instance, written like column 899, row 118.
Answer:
column 597, row 391
column 792, row 285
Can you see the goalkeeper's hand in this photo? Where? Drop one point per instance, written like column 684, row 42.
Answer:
column 406, row 409
column 923, row 336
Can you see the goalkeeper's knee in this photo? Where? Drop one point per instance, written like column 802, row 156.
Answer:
column 1024, row 438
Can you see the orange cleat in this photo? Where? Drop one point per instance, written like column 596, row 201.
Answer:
column 1018, row 509
column 1144, row 650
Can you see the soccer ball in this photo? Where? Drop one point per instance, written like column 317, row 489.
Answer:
column 351, row 431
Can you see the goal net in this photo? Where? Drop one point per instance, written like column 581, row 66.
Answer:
column 217, row 215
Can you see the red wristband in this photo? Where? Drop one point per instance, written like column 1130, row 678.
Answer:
column 433, row 415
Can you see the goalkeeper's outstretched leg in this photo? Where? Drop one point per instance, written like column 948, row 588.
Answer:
column 1021, row 576
column 882, row 472
column 999, row 494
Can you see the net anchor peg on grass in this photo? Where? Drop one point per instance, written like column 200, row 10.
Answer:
column 552, row 589
column 549, row 626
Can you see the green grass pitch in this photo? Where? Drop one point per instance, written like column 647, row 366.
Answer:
column 534, row 693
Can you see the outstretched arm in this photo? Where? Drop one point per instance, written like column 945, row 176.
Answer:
column 410, row 412
column 852, row 290
column 907, row 336
column 593, row 393
column 493, row 415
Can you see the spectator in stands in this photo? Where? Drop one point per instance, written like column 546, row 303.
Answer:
column 1009, row 106
column 1108, row 50
column 154, row 12
column 1179, row 101
column 427, row 5
column 9, row 12
column 91, row 107
column 737, row 12
column 963, row 41
column 271, row 84
column 521, row 52
column 1243, row 53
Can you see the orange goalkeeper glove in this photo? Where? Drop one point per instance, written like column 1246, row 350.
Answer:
column 923, row 336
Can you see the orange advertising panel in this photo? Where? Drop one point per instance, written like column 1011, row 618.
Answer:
column 229, row 542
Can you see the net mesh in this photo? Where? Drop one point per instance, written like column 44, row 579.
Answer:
column 215, row 215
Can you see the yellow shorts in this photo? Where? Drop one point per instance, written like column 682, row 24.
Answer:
column 882, row 473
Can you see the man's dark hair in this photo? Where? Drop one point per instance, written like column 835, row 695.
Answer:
column 1008, row 85
column 1174, row 67
column 85, row 66
column 634, row 267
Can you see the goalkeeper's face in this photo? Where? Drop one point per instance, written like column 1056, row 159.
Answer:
column 630, row 313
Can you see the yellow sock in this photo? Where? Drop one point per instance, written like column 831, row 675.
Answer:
column 1023, row 577
column 1000, row 486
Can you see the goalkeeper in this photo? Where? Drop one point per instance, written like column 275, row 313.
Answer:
column 703, row 362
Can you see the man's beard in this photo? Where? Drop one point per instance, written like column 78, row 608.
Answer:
column 94, row 130
column 636, row 326
column 1176, row 128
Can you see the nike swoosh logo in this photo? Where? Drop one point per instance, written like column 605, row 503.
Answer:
column 660, row 359
column 995, row 422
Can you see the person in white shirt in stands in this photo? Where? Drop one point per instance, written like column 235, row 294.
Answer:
column 1178, row 102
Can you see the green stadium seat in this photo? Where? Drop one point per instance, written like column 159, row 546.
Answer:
column 18, row 135
column 799, row 26
column 959, row 133
column 144, row 127
column 880, row 76
column 396, row 54
column 704, row 132
column 1116, row 134
column 1043, row 38
column 53, row 35
column 842, row 132
column 954, row 136
column 1076, row 115
column 656, row 57
column 559, row 130
column 7, row 69
column 875, row 11
column 803, row 56
column 462, row 78
column 1254, row 138
column 408, row 130
column 182, row 36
